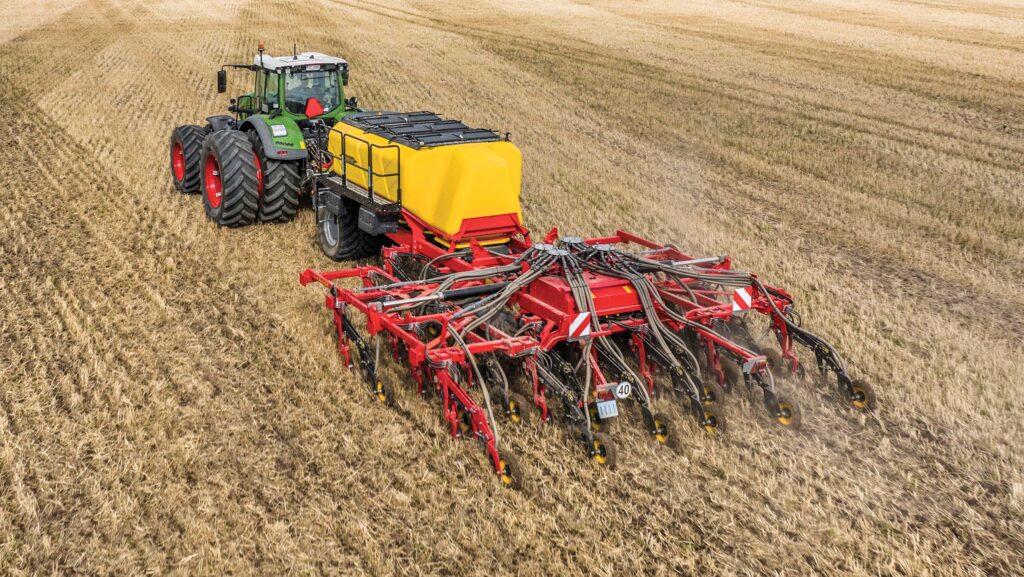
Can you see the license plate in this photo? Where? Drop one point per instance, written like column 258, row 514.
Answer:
column 607, row 409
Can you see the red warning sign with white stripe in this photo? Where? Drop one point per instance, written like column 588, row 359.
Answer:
column 741, row 300
column 579, row 328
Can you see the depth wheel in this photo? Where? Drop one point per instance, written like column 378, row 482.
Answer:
column 509, row 473
column 861, row 396
column 786, row 413
column 278, row 185
column 339, row 234
column 602, row 451
column 662, row 430
column 186, row 157
column 229, row 179
column 711, row 421
column 518, row 410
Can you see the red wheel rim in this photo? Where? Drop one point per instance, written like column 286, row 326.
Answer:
column 178, row 162
column 259, row 174
column 212, row 181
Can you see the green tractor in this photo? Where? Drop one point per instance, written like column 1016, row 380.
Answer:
column 253, row 166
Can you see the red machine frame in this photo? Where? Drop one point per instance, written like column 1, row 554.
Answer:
column 543, row 302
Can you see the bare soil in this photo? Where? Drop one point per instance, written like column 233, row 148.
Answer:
column 171, row 401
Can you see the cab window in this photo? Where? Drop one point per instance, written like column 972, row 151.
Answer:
column 271, row 91
column 299, row 87
column 261, row 86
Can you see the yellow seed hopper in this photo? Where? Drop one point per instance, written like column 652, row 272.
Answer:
column 458, row 181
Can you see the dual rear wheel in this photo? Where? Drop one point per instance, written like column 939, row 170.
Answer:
column 186, row 157
column 239, row 183
column 278, row 185
column 229, row 179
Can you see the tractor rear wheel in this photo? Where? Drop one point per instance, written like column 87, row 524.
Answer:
column 339, row 234
column 229, row 179
column 278, row 185
column 186, row 157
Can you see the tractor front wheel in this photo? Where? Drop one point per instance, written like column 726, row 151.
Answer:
column 186, row 157
column 229, row 180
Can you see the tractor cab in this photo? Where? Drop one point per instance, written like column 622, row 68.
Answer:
column 307, row 85
column 301, row 86
column 287, row 93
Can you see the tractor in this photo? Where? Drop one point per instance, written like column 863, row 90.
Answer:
column 295, row 134
column 252, row 165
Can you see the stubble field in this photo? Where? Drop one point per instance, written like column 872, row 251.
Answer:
column 171, row 401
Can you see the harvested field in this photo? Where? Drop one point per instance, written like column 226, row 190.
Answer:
column 171, row 401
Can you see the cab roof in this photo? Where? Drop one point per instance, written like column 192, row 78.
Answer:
column 279, row 63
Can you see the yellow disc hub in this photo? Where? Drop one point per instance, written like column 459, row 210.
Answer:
column 860, row 397
column 662, row 432
column 710, row 422
column 785, row 414
column 514, row 414
column 506, row 472
column 709, row 395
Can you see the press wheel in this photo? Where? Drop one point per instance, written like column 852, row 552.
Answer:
column 509, row 472
column 383, row 393
column 710, row 420
column 712, row 394
column 602, row 450
column 786, row 413
column 861, row 396
column 518, row 409
column 662, row 430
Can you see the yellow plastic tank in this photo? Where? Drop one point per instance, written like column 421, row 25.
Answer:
column 449, row 172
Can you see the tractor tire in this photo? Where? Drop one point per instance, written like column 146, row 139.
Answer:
column 277, row 183
column 186, row 156
column 340, row 236
column 229, row 179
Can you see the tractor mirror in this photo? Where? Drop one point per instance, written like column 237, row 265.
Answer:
column 222, row 81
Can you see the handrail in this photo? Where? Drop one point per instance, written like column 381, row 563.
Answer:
column 368, row 170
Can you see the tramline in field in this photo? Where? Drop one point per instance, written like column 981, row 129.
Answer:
column 486, row 320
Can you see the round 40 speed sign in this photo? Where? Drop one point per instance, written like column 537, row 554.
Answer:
column 623, row 389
